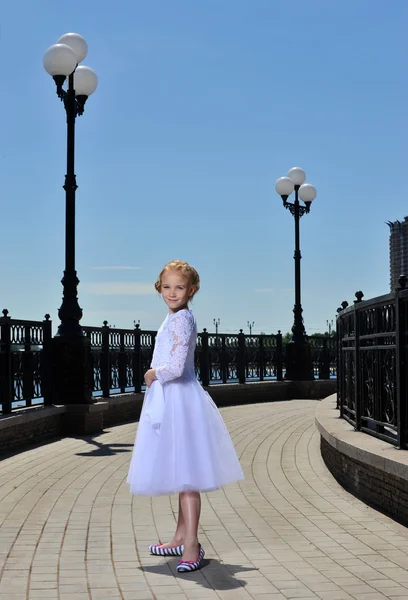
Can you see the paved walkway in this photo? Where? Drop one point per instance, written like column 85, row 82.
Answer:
column 69, row 529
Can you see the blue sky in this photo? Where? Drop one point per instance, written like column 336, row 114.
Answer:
column 200, row 107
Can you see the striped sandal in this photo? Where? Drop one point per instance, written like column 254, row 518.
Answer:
column 186, row 566
column 158, row 550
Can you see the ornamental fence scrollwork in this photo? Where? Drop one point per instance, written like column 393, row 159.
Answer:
column 372, row 339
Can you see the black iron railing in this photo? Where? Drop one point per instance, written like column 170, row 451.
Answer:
column 120, row 357
column 324, row 356
column 373, row 365
column 24, row 373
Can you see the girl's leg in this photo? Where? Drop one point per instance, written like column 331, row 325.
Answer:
column 190, row 503
column 178, row 537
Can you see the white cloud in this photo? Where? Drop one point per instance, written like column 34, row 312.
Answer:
column 118, row 288
column 116, row 268
column 134, row 314
column 273, row 291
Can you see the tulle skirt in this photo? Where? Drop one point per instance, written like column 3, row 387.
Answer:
column 182, row 443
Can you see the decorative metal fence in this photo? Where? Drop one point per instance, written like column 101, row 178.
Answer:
column 373, row 365
column 120, row 357
column 22, row 365
column 324, row 356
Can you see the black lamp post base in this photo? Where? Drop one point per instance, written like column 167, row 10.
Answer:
column 299, row 364
column 71, row 368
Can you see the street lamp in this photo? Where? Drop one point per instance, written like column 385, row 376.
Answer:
column 250, row 325
column 299, row 366
column 71, row 348
column 216, row 323
column 329, row 325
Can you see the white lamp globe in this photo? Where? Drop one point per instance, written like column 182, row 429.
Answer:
column 77, row 43
column 59, row 59
column 284, row 186
column 297, row 175
column 85, row 81
column 307, row 192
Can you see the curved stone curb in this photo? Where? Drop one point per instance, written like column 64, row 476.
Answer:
column 373, row 470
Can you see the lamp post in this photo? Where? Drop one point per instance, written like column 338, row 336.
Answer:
column 299, row 366
column 216, row 323
column 250, row 325
column 329, row 325
column 70, row 347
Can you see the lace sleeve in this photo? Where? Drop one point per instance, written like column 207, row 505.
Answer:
column 181, row 326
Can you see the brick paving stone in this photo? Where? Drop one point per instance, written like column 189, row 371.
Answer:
column 69, row 529
column 331, row 595
column 370, row 596
column 71, row 596
column 395, row 592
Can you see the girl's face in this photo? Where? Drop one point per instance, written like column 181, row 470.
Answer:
column 176, row 290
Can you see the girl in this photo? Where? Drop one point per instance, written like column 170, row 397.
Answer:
column 182, row 444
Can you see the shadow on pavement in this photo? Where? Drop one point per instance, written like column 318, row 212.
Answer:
column 213, row 574
column 103, row 449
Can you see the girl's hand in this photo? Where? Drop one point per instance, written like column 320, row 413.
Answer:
column 149, row 377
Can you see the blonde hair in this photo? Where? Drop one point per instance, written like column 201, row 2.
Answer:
column 183, row 268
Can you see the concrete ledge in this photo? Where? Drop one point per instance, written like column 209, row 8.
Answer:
column 373, row 470
column 36, row 424
column 29, row 426
column 270, row 391
column 122, row 408
column 83, row 419
column 29, row 415
column 127, row 407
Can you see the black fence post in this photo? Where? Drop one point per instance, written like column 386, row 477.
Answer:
column 205, row 359
column 324, row 362
column 401, row 343
column 261, row 358
column 137, row 360
column 105, row 361
column 122, row 362
column 357, row 374
column 241, row 357
column 224, row 359
column 6, row 373
column 147, row 357
column 27, row 369
column 378, row 367
column 338, row 363
column 279, row 356
column 46, row 365
column 341, row 360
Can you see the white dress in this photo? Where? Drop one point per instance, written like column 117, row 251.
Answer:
column 182, row 442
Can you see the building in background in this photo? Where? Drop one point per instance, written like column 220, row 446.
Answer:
column 398, row 250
